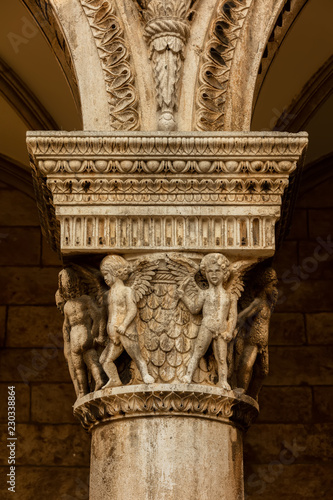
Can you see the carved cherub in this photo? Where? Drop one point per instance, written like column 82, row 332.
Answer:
column 218, row 304
column 122, row 301
column 253, row 325
column 84, row 323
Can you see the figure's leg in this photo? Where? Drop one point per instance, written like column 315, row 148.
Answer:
column 200, row 348
column 220, row 349
column 133, row 349
column 108, row 356
column 91, row 359
column 261, row 369
column 80, row 373
column 245, row 366
column 68, row 357
column 231, row 359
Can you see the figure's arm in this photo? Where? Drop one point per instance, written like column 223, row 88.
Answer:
column 252, row 309
column 66, row 329
column 232, row 318
column 96, row 316
column 193, row 305
column 131, row 311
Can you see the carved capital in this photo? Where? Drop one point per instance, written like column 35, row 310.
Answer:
column 167, row 319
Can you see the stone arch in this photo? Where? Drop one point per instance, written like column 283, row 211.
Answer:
column 106, row 75
column 257, row 28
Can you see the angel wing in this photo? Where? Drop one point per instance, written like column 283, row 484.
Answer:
column 235, row 283
column 93, row 282
column 184, row 271
column 142, row 272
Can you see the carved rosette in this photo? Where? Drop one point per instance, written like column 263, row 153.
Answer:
column 132, row 192
column 164, row 400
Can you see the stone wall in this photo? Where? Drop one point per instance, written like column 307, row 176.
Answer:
column 288, row 452
column 52, row 448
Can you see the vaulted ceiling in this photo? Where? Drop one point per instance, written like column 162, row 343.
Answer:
column 294, row 88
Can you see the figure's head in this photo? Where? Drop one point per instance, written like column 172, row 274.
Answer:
column 60, row 301
column 269, row 283
column 113, row 267
column 69, row 284
column 216, row 268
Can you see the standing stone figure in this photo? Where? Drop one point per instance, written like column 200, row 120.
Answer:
column 253, row 325
column 83, row 325
column 60, row 303
column 122, row 310
column 218, row 305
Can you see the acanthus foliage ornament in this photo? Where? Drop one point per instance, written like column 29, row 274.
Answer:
column 115, row 58
column 167, row 30
column 165, row 400
column 216, row 63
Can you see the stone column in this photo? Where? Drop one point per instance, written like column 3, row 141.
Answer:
column 167, row 294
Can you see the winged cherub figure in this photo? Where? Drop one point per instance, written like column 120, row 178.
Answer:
column 217, row 303
column 83, row 324
column 122, row 299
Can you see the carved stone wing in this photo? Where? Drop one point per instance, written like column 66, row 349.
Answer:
column 184, row 271
column 93, row 282
column 143, row 271
column 235, row 283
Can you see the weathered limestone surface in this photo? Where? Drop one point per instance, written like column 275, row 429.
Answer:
column 165, row 293
column 171, row 456
column 305, row 476
column 167, row 436
column 149, row 192
column 167, row 306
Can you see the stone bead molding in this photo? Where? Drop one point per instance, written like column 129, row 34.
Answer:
column 165, row 400
column 144, row 191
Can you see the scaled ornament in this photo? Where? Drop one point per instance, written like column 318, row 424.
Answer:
column 176, row 318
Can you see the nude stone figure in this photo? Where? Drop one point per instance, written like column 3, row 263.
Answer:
column 121, row 327
column 219, row 315
column 252, row 340
column 82, row 327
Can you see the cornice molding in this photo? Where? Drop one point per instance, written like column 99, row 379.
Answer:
column 103, row 187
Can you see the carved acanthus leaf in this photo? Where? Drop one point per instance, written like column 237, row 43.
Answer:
column 115, row 59
column 216, row 64
column 167, row 29
column 194, row 400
